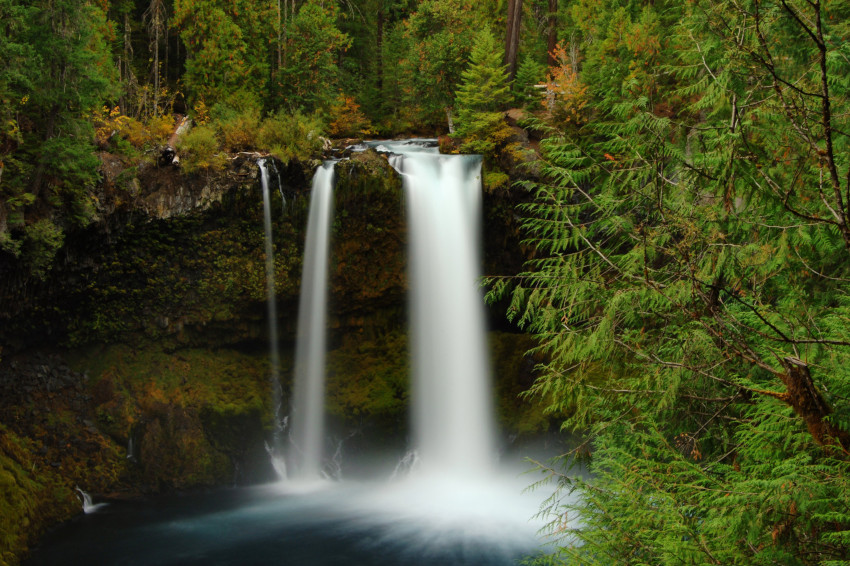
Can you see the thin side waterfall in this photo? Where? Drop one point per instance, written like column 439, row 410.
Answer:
column 86, row 501
column 276, row 450
column 452, row 413
column 309, row 394
column 279, row 185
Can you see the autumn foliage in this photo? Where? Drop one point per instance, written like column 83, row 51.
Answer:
column 566, row 96
column 348, row 120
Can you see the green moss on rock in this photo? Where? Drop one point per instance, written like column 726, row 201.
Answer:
column 514, row 374
column 367, row 171
column 32, row 496
column 369, row 378
column 368, row 272
column 195, row 413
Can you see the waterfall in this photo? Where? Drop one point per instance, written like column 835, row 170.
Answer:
column 309, row 395
column 452, row 413
column 85, row 499
column 279, row 185
column 276, row 449
column 452, row 420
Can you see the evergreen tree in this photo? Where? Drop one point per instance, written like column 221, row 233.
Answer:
column 691, row 288
column 77, row 76
column 57, row 69
column 228, row 44
column 16, row 79
column 308, row 79
column 483, row 93
column 438, row 38
column 529, row 74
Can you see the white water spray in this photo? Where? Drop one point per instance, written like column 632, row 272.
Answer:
column 309, row 396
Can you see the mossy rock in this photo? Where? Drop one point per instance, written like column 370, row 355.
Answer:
column 368, row 264
column 32, row 497
column 514, row 373
column 194, row 413
column 369, row 378
column 365, row 172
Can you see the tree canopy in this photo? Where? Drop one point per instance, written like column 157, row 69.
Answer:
column 691, row 289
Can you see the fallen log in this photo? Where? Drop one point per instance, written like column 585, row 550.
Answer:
column 169, row 155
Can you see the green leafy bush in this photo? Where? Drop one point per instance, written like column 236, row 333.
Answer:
column 237, row 120
column 347, row 118
column 199, row 150
column 43, row 239
column 291, row 136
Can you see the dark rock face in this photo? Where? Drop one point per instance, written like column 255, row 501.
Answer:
column 368, row 275
column 185, row 257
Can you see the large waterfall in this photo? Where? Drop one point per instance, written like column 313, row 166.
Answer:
column 309, row 396
column 455, row 509
column 452, row 421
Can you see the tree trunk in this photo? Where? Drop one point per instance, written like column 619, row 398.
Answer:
column 279, row 35
column 379, row 50
column 552, row 32
column 167, row 51
column 156, row 19
column 128, row 57
column 156, row 73
column 808, row 403
column 512, row 36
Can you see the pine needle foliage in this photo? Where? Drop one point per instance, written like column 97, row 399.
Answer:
column 529, row 74
column 690, row 292
column 483, row 93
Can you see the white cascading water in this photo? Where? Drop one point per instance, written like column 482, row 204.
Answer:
column 307, row 432
column 86, row 501
column 276, row 450
column 447, row 491
column 452, row 420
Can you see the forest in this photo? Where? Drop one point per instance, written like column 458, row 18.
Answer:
column 685, row 192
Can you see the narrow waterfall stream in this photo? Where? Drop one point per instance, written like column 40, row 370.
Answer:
column 309, row 396
column 276, row 449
